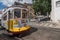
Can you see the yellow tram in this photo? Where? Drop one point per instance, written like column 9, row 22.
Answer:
column 15, row 20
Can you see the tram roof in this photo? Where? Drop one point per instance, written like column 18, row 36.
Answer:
column 11, row 8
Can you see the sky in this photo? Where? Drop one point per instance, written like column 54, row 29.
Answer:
column 2, row 6
column 6, row 3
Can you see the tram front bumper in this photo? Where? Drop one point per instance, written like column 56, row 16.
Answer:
column 19, row 30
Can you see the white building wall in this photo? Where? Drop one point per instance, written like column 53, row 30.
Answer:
column 55, row 13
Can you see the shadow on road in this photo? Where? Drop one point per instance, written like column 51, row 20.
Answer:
column 6, row 37
column 32, row 30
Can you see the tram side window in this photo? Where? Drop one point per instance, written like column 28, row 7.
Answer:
column 5, row 17
column 17, row 13
column 31, row 16
column 10, row 15
column 24, row 14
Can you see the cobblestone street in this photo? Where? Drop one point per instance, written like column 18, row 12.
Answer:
column 45, row 24
column 37, row 33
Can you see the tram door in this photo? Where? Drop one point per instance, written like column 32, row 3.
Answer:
column 25, row 17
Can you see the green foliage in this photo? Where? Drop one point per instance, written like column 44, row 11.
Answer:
column 42, row 6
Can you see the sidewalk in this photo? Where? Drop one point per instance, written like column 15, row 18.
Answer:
column 45, row 24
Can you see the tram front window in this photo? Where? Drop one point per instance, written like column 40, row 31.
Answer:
column 17, row 13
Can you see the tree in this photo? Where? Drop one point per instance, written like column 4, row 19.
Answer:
column 42, row 6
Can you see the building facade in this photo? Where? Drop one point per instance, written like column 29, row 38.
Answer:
column 55, row 13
